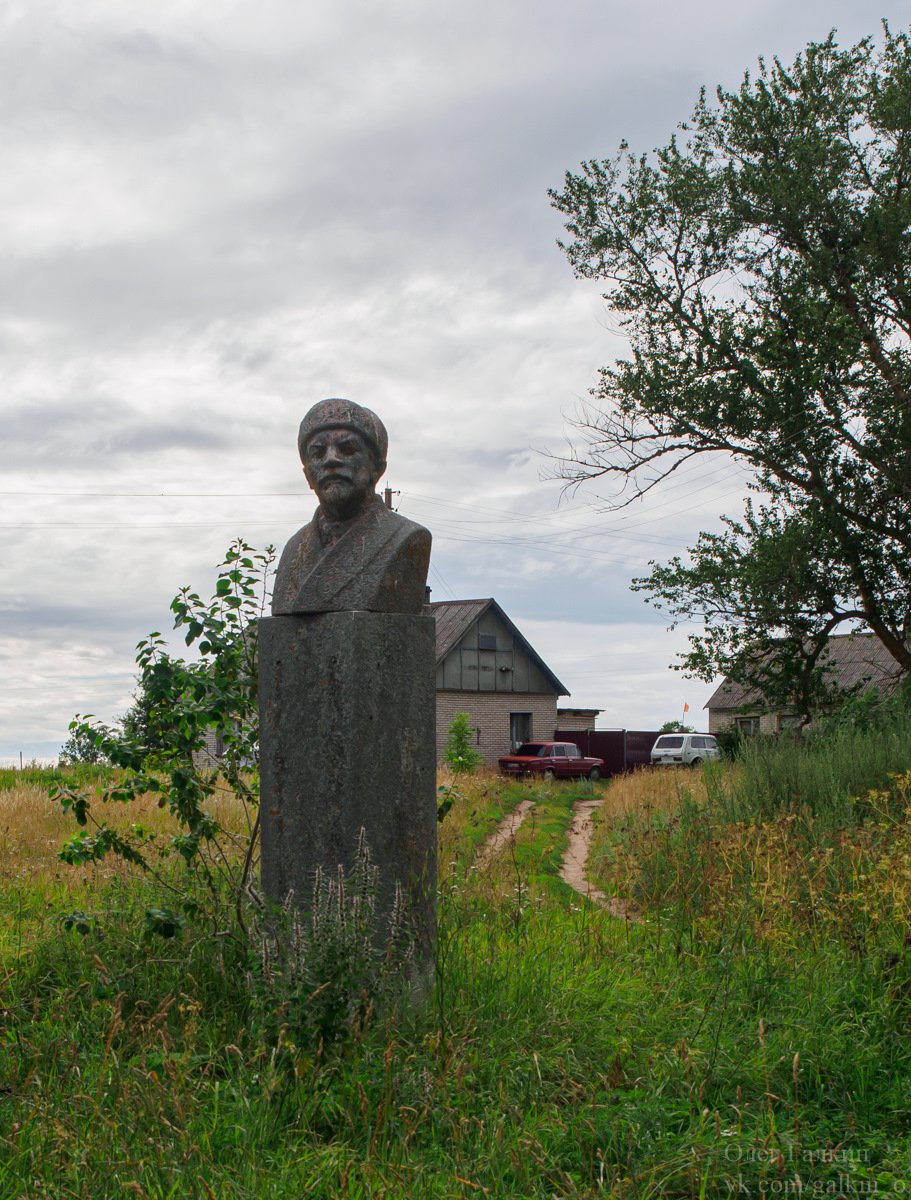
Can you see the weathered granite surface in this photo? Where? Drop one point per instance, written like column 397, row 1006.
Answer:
column 347, row 703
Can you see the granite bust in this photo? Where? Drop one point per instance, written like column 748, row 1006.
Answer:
column 356, row 554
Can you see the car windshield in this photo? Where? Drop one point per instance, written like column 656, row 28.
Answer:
column 669, row 743
column 532, row 750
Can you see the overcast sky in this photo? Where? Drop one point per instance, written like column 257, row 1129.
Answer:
column 213, row 215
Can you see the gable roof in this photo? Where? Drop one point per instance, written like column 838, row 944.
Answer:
column 455, row 617
column 856, row 658
column 453, row 620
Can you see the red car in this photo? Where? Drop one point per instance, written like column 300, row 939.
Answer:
column 552, row 760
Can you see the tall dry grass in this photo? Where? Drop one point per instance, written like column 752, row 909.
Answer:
column 652, row 790
column 480, row 803
column 33, row 827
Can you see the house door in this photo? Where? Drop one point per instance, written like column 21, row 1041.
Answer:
column 519, row 728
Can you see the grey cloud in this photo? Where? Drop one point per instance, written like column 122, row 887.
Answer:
column 29, row 750
column 601, row 597
column 82, row 432
column 46, row 622
column 152, row 438
column 420, row 186
column 127, row 82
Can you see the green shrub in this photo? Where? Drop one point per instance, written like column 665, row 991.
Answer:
column 730, row 741
column 460, row 754
column 164, row 751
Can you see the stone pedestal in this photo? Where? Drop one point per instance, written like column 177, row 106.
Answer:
column 347, row 741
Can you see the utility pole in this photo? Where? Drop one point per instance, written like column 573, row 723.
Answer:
column 387, row 496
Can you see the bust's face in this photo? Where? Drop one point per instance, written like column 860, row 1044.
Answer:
column 340, row 467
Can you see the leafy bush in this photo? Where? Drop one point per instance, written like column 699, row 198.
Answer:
column 730, row 741
column 185, row 706
column 459, row 753
column 871, row 709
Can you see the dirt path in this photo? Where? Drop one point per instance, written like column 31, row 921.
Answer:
column 507, row 829
column 576, row 858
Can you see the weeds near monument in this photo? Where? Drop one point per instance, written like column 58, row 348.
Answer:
column 322, row 974
column 459, row 754
column 186, row 703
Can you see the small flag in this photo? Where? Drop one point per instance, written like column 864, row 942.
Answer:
column 686, row 708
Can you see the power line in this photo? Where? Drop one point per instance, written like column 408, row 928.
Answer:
column 139, row 524
column 434, row 571
column 164, row 495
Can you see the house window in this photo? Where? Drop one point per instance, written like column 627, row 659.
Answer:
column 487, row 641
column 748, row 726
column 789, row 723
column 519, row 728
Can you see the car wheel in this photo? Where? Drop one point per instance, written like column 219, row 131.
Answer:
column 594, row 774
column 549, row 775
column 696, row 762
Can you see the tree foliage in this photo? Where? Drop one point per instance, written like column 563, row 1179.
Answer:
column 760, row 264
column 162, row 749
column 79, row 748
column 140, row 723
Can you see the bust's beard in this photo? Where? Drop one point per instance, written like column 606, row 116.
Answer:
column 337, row 490
column 343, row 500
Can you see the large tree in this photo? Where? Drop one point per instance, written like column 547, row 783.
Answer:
column 760, row 264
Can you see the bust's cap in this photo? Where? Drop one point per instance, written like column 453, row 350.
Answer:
column 344, row 414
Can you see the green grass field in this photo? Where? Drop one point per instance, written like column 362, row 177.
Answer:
column 748, row 1034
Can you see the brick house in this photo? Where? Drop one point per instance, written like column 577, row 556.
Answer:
column 856, row 658
column 487, row 669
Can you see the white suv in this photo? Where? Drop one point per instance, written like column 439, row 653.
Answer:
column 689, row 748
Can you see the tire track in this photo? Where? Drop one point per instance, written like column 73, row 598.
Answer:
column 504, row 832
column 575, row 860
